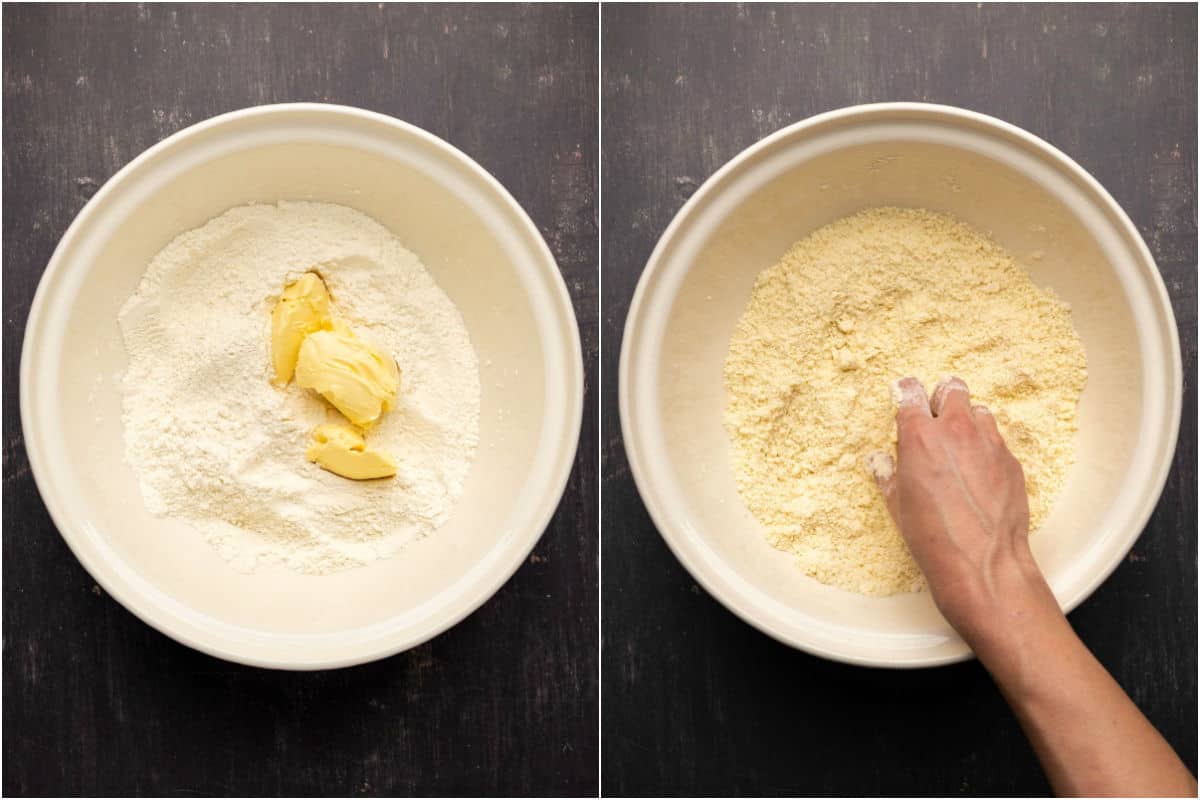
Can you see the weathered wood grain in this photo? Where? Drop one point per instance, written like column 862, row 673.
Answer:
column 695, row 701
column 97, row 703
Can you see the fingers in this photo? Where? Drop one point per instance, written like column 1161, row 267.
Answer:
column 951, row 398
column 911, row 401
column 986, row 423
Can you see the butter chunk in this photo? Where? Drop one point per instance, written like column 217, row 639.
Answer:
column 343, row 451
column 349, row 372
column 303, row 309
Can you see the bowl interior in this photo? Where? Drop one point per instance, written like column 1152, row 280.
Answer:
column 479, row 248
column 1065, row 236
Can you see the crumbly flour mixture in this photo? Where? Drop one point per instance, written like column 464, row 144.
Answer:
column 848, row 310
column 216, row 444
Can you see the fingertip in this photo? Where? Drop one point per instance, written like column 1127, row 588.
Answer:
column 947, row 393
column 882, row 467
column 985, row 421
column 909, row 393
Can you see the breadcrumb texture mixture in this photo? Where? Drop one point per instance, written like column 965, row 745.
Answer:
column 870, row 298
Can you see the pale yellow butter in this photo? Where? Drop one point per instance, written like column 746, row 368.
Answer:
column 343, row 451
column 349, row 372
column 303, row 309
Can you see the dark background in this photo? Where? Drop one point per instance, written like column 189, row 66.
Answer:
column 697, row 702
column 95, row 701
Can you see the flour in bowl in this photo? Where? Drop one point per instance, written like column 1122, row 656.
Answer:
column 880, row 295
column 215, row 444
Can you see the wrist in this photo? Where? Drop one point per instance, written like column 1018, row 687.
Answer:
column 1011, row 613
column 1026, row 645
column 1024, row 634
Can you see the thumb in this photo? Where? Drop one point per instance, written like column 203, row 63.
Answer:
column 883, row 468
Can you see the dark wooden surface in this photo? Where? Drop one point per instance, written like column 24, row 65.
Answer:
column 95, row 702
column 697, row 702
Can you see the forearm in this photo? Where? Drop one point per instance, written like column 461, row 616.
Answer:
column 958, row 496
column 1089, row 736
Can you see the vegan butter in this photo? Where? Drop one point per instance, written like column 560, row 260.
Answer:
column 349, row 372
column 325, row 355
column 303, row 309
column 343, row 451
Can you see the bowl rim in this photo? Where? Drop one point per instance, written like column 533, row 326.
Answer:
column 730, row 598
column 386, row 642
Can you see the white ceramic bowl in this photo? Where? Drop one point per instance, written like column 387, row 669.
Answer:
column 1000, row 179
column 482, row 250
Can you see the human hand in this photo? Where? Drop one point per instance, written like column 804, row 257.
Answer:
column 958, row 497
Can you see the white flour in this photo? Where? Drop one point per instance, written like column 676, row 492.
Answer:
column 215, row 444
